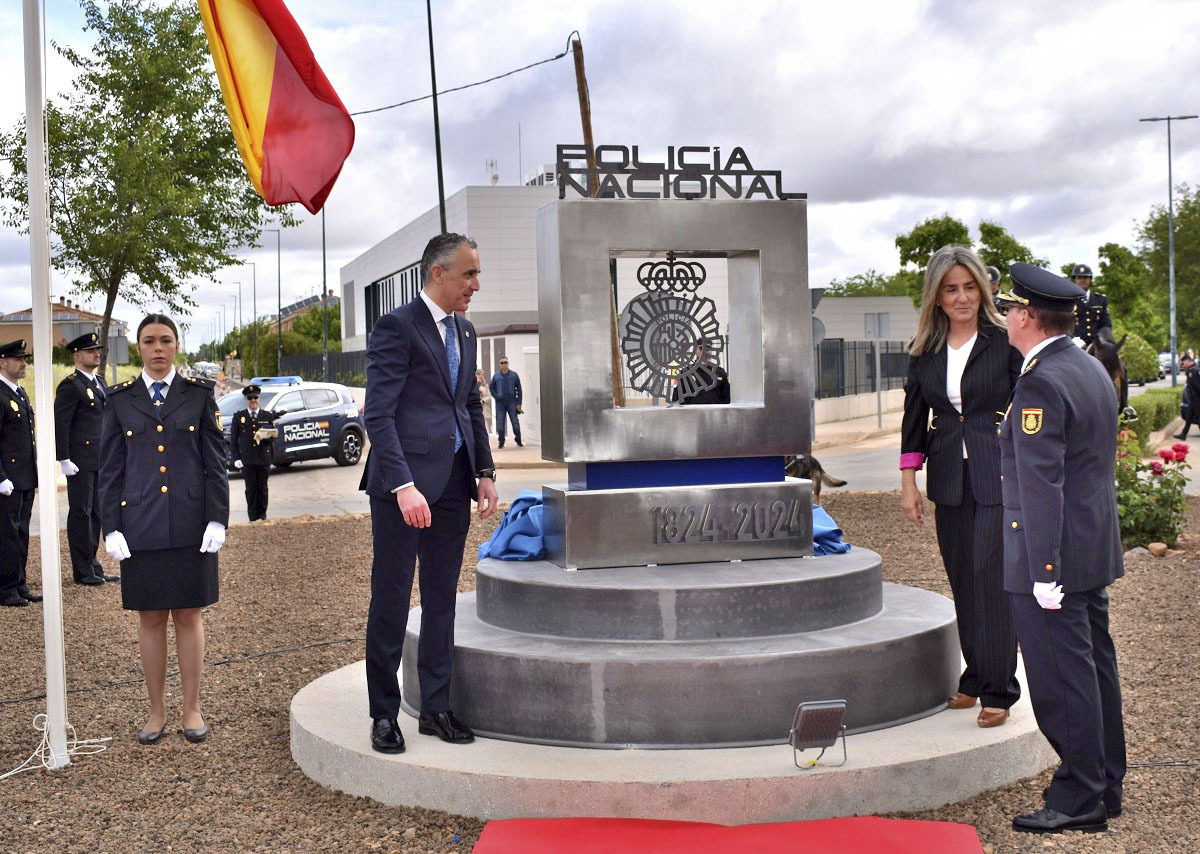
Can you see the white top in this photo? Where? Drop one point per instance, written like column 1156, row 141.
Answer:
column 438, row 315
column 956, row 363
column 168, row 379
column 1037, row 348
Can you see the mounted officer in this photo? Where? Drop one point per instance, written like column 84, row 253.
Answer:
column 78, row 418
column 253, row 441
column 1091, row 310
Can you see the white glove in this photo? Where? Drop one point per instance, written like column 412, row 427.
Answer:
column 237, row 464
column 6, row 487
column 1078, row 342
column 1048, row 594
column 69, row 468
column 116, row 546
column 214, row 538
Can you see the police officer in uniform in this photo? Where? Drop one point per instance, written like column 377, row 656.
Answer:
column 18, row 477
column 252, row 455
column 78, row 418
column 1062, row 548
column 1091, row 310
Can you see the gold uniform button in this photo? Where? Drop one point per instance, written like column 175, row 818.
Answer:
column 961, row 418
column 128, row 432
column 162, row 469
column 161, row 449
column 159, row 428
column 1049, row 567
column 87, row 441
column 164, row 489
column 1014, row 524
column 191, row 428
column 122, row 503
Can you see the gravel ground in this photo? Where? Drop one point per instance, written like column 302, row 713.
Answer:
column 240, row 790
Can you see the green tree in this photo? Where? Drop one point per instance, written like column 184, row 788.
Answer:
column 1152, row 249
column 1001, row 250
column 293, row 344
column 926, row 238
column 868, row 284
column 309, row 325
column 1127, row 282
column 148, row 192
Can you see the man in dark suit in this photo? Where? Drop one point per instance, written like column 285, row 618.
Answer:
column 18, row 477
column 253, row 441
column 429, row 443
column 1091, row 310
column 1062, row 549
column 78, row 419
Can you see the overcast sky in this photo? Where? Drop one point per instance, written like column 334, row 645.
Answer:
column 885, row 113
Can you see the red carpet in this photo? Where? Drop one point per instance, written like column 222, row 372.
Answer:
column 866, row 835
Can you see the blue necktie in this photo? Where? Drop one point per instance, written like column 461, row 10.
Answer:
column 452, row 359
column 157, row 397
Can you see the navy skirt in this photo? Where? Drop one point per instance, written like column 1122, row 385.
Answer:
column 169, row 578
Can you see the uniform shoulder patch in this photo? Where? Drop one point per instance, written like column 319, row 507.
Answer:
column 1031, row 421
column 1029, row 367
column 203, row 382
column 120, row 387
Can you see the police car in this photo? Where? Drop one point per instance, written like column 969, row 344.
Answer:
column 315, row 420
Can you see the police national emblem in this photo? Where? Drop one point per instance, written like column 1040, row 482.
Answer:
column 1031, row 421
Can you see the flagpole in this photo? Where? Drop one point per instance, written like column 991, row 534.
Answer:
column 39, row 264
column 437, row 130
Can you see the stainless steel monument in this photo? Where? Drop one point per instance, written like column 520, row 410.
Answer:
column 698, row 616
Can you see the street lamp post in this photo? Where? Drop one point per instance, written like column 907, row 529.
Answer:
column 278, row 303
column 237, row 314
column 324, row 308
column 1171, row 238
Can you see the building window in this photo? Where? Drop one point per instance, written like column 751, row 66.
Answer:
column 383, row 295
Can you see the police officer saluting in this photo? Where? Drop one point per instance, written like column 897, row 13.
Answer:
column 253, row 441
column 18, row 477
column 78, row 418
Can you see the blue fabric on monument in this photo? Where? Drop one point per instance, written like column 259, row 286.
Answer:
column 519, row 534
column 827, row 536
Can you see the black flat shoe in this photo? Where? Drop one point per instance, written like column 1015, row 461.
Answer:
column 145, row 737
column 446, row 727
column 14, row 601
column 195, row 736
column 1052, row 821
column 27, row 594
column 386, row 736
column 90, row 580
column 108, row 576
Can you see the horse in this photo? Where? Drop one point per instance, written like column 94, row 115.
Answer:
column 1106, row 350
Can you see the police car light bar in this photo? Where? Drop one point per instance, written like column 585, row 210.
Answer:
column 276, row 380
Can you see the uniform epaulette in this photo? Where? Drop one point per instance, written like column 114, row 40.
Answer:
column 203, row 382
column 120, row 387
column 1028, row 368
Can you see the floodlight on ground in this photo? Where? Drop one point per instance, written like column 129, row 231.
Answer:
column 817, row 723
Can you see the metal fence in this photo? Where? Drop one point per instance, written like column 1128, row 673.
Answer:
column 345, row 368
column 848, row 367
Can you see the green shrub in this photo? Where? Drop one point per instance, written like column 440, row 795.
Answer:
column 1150, row 497
column 1141, row 362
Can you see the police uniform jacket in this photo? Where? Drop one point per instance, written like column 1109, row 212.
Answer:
column 245, row 447
column 162, row 471
column 1091, row 317
column 1058, row 445
column 78, row 419
column 987, row 379
column 17, row 461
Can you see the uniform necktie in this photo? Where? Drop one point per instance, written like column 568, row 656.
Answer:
column 157, row 397
column 99, row 388
column 452, row 359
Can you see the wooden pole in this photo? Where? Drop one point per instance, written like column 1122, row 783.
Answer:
column 585, row 115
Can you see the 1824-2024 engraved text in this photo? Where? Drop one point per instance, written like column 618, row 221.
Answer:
column 743, row 521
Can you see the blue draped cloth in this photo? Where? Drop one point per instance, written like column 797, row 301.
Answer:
column 519, row 535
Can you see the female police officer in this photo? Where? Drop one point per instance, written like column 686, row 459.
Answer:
column 164, row 499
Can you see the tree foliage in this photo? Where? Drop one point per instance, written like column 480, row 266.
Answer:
column 1001, row 250
column 1152, row 250
column 309, row 325
column 147, row 190
column 1127, row 282
column 868, row 284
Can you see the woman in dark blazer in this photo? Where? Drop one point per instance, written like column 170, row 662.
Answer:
column 164, row 505
column 962, row 370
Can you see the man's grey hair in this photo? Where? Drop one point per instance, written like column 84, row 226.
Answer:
column 440, row 250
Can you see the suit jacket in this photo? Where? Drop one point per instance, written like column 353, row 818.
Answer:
column 18, row 462
column 162, row 469
column 78, row 420
column 1058, row 446
column 411, row 411
column 1091, row 317
column 987, row 380
column 241, row 437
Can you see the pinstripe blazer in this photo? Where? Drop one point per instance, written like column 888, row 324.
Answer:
column 987, row 383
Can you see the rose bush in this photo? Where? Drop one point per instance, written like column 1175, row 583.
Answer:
column 1150, row 497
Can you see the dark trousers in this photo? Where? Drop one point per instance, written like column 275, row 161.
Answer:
column 255, row 478
column 15, row 512
column 1072, row 671
column 83, row 523
column 507, row 408
column 970, row 539
column 398, row 548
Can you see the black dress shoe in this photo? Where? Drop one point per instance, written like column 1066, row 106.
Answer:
column 1180, row 436
column 89, row 580
column 1051, row 821
column 14, row 600
column 446, row 727
column 107, row 576
column 1111, row 803
column 519, row 445
column 26, row 593
column 386, row 736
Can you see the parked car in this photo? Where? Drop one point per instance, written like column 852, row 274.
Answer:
column 1164, row 365
column 315, row 420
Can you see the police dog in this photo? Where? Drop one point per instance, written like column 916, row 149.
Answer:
column 809, row 468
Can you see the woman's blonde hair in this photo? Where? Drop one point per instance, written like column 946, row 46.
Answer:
column 932, row 324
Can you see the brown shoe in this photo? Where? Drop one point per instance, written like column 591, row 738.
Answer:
column 989, row 717
column 961, row 701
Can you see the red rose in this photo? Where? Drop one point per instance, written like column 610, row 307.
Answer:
column 1166, row 454
column 1180, row 456
column 1181, row 447
column 1156, row 467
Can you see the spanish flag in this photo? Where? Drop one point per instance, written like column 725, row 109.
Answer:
column 291, row 128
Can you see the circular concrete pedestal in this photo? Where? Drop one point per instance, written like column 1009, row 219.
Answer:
column 924, row 764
